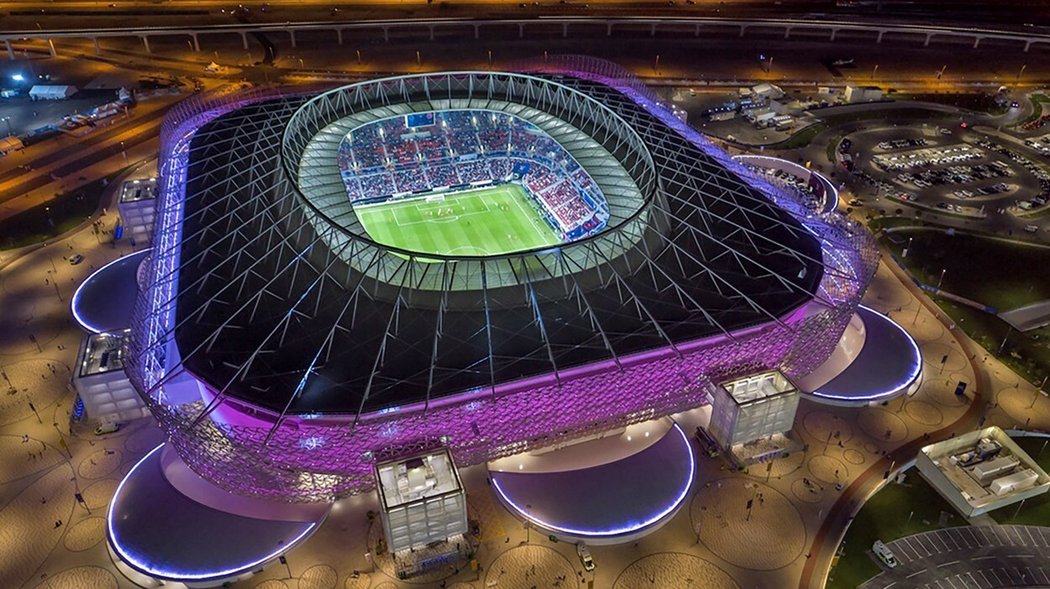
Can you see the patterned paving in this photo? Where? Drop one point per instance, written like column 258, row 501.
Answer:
column 85, row 534
column 319, row 576
column 100, row 463
column 25, row 459
column 770, row 538
column 98, row 494
column 532, row 565
column 27, row 530
column 32, row 380
column 674, row 569
column 86, row 577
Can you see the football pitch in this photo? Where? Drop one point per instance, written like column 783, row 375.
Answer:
column 481, row 222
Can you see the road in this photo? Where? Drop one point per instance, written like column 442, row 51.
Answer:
column 65, row 163
column 26, row 14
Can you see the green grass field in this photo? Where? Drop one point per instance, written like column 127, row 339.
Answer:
column 486, row 221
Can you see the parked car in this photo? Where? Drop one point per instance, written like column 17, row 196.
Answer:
column 107, row 428
column 585, row 557
column 884, row 553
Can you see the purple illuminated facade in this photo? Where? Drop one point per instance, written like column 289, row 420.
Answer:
column 251, row 449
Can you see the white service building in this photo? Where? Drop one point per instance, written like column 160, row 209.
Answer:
column 981, row 471
column 752, row 408
column 138, row 208
column 422, row 500
column 100, row 381
column 863, row 94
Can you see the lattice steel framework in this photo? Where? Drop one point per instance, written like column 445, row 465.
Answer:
column 611, row 151
column 269, row 264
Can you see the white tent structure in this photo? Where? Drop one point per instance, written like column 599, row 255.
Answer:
column 51, row 92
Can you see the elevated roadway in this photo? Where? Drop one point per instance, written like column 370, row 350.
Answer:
column 655, row 24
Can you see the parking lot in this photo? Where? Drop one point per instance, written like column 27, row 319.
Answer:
column 983, row 557
column 926, row 157
column 957, row 171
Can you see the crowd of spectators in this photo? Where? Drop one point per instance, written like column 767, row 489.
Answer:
column 464, row 147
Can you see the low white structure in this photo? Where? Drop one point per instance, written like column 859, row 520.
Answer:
column 101, row 382
column 752, row 408
column 422, row 501
column 981, row 471
column 767, row 90
column 51, row 92
column 863, row 94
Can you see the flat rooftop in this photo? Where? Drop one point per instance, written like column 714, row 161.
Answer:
column 138, row 190
column 986, row 467
column 758, row 387
column 103, row 352
column 412, row 479
column 163, row 533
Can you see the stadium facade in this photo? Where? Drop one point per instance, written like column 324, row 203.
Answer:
column 285, row 351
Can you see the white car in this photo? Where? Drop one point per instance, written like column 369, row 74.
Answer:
column 884, row 553
column 107, row 428
column 585, row 557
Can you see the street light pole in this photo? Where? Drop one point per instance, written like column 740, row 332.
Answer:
column 1006, row 337
column 941, row 279
column 1035, row 396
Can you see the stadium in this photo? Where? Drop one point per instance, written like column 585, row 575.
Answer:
column 480, row 262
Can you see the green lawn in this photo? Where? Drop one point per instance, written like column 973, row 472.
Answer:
column 802, row 137
column 806, row 135
column 896, row 511
column 53, row 218
column 1039, row 102
column 997, row 273
column 1000, row 274
column 486, row 221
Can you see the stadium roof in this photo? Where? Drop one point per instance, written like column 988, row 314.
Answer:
column 281, row 307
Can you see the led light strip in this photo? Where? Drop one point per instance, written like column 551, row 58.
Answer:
column 903, row 384
column 75, row 302
column 137, row 562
